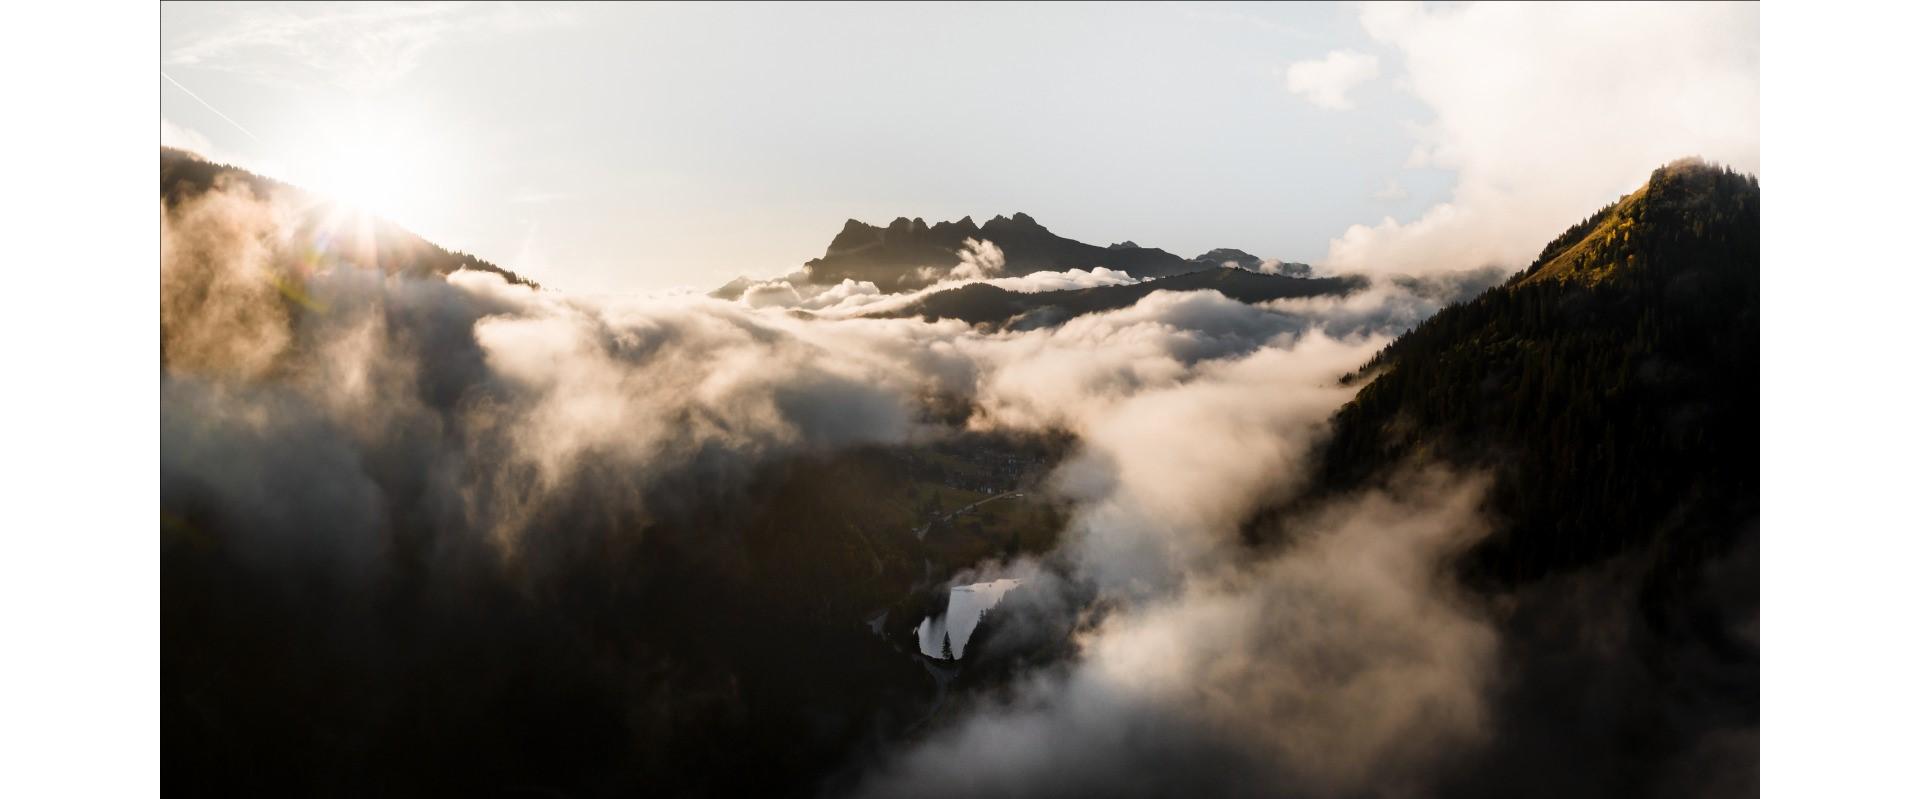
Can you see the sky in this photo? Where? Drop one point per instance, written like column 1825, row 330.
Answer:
column 615, row 149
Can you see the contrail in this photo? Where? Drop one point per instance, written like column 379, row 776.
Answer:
column 216, row 111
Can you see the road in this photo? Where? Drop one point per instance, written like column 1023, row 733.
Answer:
column 922, row 532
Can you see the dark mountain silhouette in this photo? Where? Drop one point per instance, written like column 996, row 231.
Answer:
column 1227, row 256
column 366, row 241
column 980, row 303
column 1610, row 390
column 607, row 674
column 909, row 254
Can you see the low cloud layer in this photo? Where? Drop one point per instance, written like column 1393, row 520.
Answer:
column 506, row 398
column 327, row 416
column 977, row 262
column 1547, row 111
column 1345, row 666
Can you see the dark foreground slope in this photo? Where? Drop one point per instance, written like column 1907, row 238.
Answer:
column 723, row 649
column 980, row 303
column 337, row 617
column 1611, row 390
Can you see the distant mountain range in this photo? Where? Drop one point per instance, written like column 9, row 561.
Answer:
column 983, row 303
column 905, row 255
column 908, row 254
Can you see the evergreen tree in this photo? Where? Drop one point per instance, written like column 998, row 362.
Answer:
column 946, row 646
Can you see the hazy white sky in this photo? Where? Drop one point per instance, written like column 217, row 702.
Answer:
column 616, row 148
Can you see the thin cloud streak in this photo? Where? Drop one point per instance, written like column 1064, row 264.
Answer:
column 353, row 46
column 216, row 111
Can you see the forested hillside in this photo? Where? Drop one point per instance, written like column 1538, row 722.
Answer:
column 982, row 303
column 370, row 241
column 1611, row 389
column 1613, row 384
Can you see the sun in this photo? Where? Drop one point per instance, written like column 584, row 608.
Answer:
column 381, row 166
column 376, row 177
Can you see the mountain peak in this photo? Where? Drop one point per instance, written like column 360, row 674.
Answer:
column 1018, row 220
column 853, row 236
column 908, row 253
column 1228, row 255
column 1677, row 198
column 960, row 231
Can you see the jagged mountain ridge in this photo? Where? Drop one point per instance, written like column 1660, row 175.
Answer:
column 894, row 257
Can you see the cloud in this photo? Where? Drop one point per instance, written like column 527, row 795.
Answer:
column 180, row 138
column 1344, row 668
column 1391, row 192
column 359, row 47
column 219, row 299
column 544, row 388
column 1345, row 664
column 1546, row 112
column 1326, row 82
column 874, row 302
column 979, row 260
column 1033, row 282
column 506, row 453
